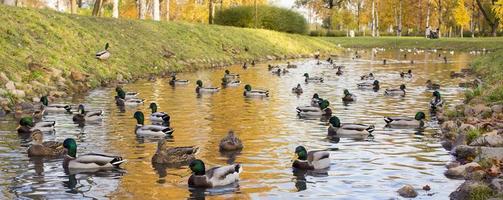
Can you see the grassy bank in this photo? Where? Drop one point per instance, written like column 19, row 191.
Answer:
column 419, row 42
column 490, row 68
column 41, row 46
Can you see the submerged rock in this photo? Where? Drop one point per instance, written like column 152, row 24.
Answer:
column 407, row 191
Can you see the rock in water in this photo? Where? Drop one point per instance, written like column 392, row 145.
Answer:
column 462, row 171
column 426, row 188
column 407, row 191
column 470, row 190
column 463, row 152
column 488, row 140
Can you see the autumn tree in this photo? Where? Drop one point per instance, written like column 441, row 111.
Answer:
column 461, row 15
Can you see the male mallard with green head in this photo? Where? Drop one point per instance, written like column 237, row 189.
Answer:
column 127, row 95
column 174, row 155
column 214, row 177
column 230, row 142
column 311, row 160
column 312, row 111
column 39, row 148
column 159, row 117
column 53, row 107
column 406, row 75
column 255, row 93
column 436, row 102
column 26, row 125
column 396, row 92
column 316, row 100
column 105, row 54
column 374, row 85
column 150, row 130
column 200, row 89
column 175, row 81
column 87, row 116
column 348, row 130
column 415, row 122
column 348, row 97
column 91, row 161
column 315, row 79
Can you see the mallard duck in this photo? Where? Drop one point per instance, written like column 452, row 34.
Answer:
column 230, row 83
column 230, row 76
column 436, row 102
column 347, row 130
column 313, row 111
column 230, row 142
column 370, row 76
column 39, row 148
column 312, row 79
column 271, row 67
column 201, row 89
column 158, row 117
column 175, row 81
column 457, row 74
column 406, row 75
column 329, row 60
column 339, row 71
column 87, row 116
column 91, row 161
column 277, row 71
column 105, row 54
column 255, row 93
column 174, row 155
column 432, row 86
column 53, row 107
column 298, row 89
column 394, row 92
column 284, row 71
column 245, row 66
column 150, row 130
column 316, row 100
column 127, row 95
column 214, row 177
column 311, row 160
column 290, row 66
column 27, row 125
column 348, row 97
column 369, row 85
column 416, row 122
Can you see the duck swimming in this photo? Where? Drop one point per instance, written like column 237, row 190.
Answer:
column 370, row 76
column 415, row 122
column 406, row 75
column 158, row 117
column 348, row 130
column 214, row 177
column 432, row 86
column 290, row 66
column 348, row 97
column 150, row 130
column 200, row 89
column 127, row 95
column 53, row 107
column 255, row 93
column 174, row 155
column 316, row 100
column 436, row 102
column 312, row 111
column 39, row 148
column 91, row 161
column 26, row 126
column 230, row 142
column 311, row 160
column 369, row 85
column 395, row 92
column 312, row 79
column 175, row 81
column 298, row 89
column 87, row 116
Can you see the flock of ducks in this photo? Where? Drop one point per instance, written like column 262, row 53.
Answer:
column 178, row 156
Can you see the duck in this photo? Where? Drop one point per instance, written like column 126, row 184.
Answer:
column 27, row 126
column 105, row 54
column 298, row 89
column 120, row 101
column 394, row 92
column 255, row 93
column 174, row 155
column 277, row 71
column 150, row 130
column 311, row 160
column 432, row 86
column 348, row 97
column 230, row 142
column 271, row 67
column 39, row 148
column 91, row 161
column 436, row 102
column 128, row 95
column 370, row 76
column 369, row 85
column 284, row 71
column 290, row 66
column 175, row 81
column 200, row 89
column 406, row 75
column 313, row 111
column 348, row 130
column 214, row 177
column 53, row 107
column 312, row 79
column 457, row 74
column 245, row 66
column 416, row 121
column 230, row 76
column 339, row 71
column 230, row 83
column 316, row 100
column 87, row 116
column 158, row 117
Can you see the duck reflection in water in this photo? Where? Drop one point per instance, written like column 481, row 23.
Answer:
column 300, row 176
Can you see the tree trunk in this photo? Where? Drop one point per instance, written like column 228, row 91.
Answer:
column 358, row 14
column 73, row 6
column 79, row 3
column 439, row 18
column 461, row 31
column 211, row 12
column 428, row 14
column 167, row 9
column 419, row 16
column 472, row 20
column 142, row 9
column 373, row 19
column 97, row 7
column 400, row 18
column 115, row 9
column 377, row 20
column 493, row 24
column 156, row 10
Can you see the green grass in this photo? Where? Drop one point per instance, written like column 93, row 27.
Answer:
column 465, row 44
column 472, row 135
column 490, row 68
column 481, row 192
column 69, row 42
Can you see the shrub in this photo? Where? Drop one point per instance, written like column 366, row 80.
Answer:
column 268, row 17
column 472, row 135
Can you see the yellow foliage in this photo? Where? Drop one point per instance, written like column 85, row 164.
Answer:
column 461, row 15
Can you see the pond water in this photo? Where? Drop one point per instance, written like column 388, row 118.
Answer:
column 269, row 129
